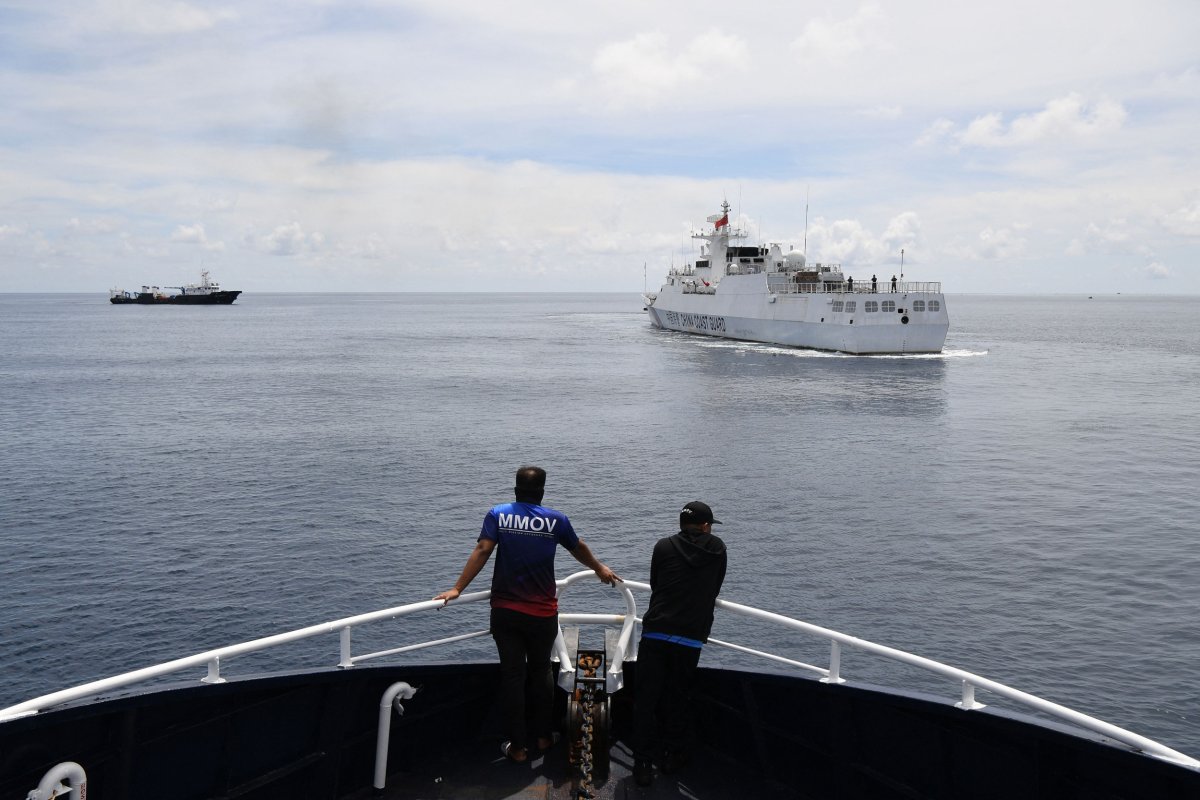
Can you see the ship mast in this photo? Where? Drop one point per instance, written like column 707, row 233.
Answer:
column 805, row 250
column 718, row 241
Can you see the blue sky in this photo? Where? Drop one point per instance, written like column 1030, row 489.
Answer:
column 451, row 145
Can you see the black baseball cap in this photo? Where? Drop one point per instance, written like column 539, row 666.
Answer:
column 696, row 513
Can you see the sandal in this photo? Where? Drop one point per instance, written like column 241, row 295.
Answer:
column 509, row 751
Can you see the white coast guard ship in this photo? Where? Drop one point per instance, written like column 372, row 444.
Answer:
column 762, row 294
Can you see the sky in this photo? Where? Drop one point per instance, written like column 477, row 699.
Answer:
column 464, row 145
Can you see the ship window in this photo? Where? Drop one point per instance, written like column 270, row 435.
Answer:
column 935, row 305
column 838, row 305
column 889, row 305
column 918, row 305
column 851, row 304
column 870, row 306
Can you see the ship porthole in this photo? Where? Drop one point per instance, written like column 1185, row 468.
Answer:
column 904, row 320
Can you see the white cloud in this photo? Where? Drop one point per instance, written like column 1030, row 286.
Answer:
column 985, row 130
column 157, row 17
column 840, row 40
column 845, row 241
column 137, row 247
column 882, row 112
column 903, row 231
column 89, row 226
column 195, row 234
column 1156, row 271
column 1112, row 237
column 939, row 131
column 290, row 239
column 372, row 248
column 1184, row 221
column 990, row 244
column 1183, row 85
column 379, row 124
column 1066, row 119
column 642, row 69
column 850, row 243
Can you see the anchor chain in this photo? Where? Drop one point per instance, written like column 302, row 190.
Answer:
column 583, row 751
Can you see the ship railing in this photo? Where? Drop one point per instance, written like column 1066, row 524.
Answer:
column 782, row 283
column 212, row 660
column 969, row 681
column 780, row 286
column 625, row 648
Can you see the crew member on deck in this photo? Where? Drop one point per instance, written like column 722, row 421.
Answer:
column 686, row 573
column 524, row 604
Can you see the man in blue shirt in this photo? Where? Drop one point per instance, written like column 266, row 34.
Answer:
column 686, row 573
column 524, row 622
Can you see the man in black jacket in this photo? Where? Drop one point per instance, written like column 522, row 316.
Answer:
column 686, row 572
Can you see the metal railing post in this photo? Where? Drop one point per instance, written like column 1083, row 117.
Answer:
column 968, row 698
column 835, row 664
column 347, row 661
column 214, row 671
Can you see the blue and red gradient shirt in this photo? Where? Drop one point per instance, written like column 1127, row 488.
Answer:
column 527, row 537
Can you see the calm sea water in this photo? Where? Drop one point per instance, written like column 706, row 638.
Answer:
column 1023, row 506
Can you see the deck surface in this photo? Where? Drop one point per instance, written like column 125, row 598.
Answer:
column 477, row 771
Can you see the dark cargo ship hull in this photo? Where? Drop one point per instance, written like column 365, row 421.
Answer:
column 223, row 298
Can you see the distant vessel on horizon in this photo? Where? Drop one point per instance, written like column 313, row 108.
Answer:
column 761, row 294
column 194, row 294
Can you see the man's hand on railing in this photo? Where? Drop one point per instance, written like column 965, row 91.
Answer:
column 447, row 596
column 606, row 575
column 479, row 556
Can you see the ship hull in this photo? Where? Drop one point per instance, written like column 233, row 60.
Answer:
column 757, row 734
column 222, row 298
column 743, row 308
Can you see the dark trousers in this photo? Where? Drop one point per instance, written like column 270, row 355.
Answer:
column 524, row 643
column 662, row 705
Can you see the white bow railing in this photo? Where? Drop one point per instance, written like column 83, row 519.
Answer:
column 626, row 648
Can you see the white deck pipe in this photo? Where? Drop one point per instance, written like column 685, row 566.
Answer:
column 394, row 694
column 52, row 786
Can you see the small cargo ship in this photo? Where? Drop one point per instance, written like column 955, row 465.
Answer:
column 204, row 293
column 761, row 294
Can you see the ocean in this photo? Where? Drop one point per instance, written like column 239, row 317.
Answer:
column 1023, row 506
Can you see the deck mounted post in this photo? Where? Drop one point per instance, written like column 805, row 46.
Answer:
column 968, row 698
column 347, row 662
column 835, row 664
column 214, row 671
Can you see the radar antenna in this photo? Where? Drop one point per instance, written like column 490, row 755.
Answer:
column 805, row 251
